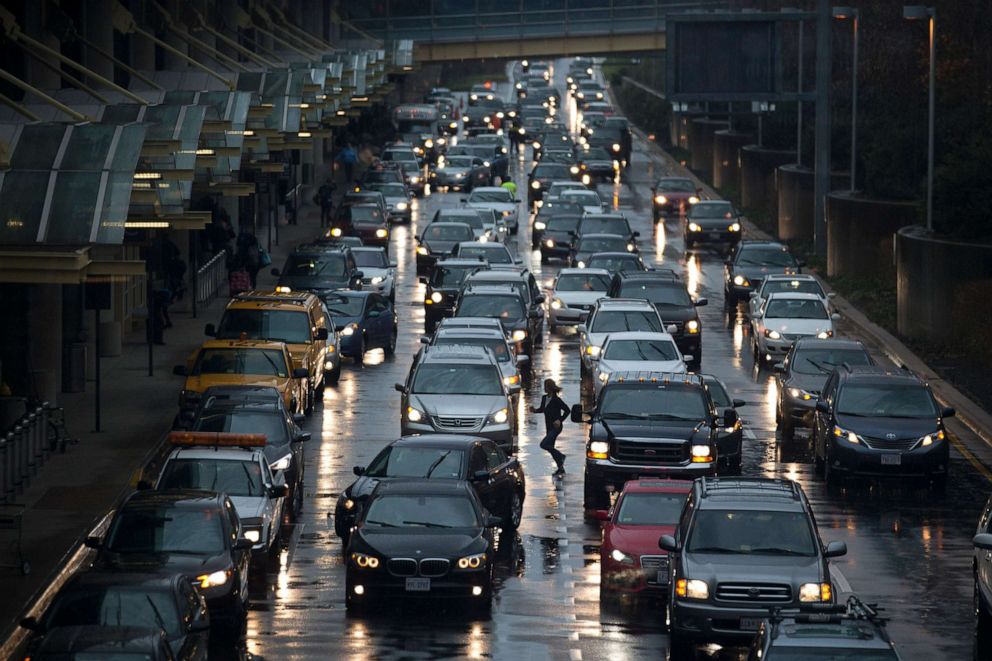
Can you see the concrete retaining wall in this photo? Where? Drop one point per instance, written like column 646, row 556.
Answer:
column 701, row 136
column 726, row 157
column 758, row 176
column 860, row 230
column 794, row 187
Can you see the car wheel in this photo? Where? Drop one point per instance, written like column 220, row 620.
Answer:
column 391, row 347
column 512, row 521
column 788, row 430
column 983, row 625
column 334, row 375
column 360, row 351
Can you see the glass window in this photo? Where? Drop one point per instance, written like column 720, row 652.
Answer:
column 551, row 171
column 718, row 393
column 366, row 214
column 473, row 220
column 22, row 199
column 563, row 223
column 806, row 653
column 659, row 293
column 451, row 276
column 272, row 425
column 611, row 321
column 428, row 511
column 655, row 350
column 70, row 218
column 37, row 147
column 614, row 263
column 881, row 400
column 675, row 186
column 754, row 532
column 115, row 607
column 587, row 282
column 654, row 402
column 802, row 286
column 406, row 461
column 650, row 509
column 235, row 478
column 390, row 189
column 795, row 309
column 495, row 254
column 458, row 161
column 446, row 232
column 315, row 265
column 510, row 308
column 345, row 306
column 502, row 196
column 602, row 244
column 264, row 362
column 494, row 456
column 822, row 361
column 495, row 344
column 762, row 256
column 88, row 147
column 259, row 324
column 373, row 258
column 446, row 379
column 167, row 530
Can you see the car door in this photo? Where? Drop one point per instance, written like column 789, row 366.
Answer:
column 241, row 558
column 496, row 462
column 821, row 420
column 478, row 464
column 378, row 320
column 273, row 506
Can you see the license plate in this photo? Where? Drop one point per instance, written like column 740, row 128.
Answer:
column 891, row 459
column 662, row 578
column 714, row 235
column 750, row 623
column 418, row 585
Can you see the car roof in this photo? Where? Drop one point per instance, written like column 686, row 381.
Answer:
column 793, row 296
column 751, row 491
column 369, row 249
column 828, row 343
column 493, row 289
column 481, row 244
column 439, row 440
column 602, row 235
column 174, row 497
column 270, row 298
column 216, row 454
column 469, row 322
column 749, row 243
column 348, row 293
column 878, row 373
column 457, row 352
column 572, row 270
column 426, row 487
column 785, row 276
column 499, row 275
column 687, row 379
column 217, row 406
column 666, row 275
column 489, row 189
column 624, row 304
column 657, row 485
column 639, row 335
column 243, row 344
column 469, row 332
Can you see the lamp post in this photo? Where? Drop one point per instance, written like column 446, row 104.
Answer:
column 929, row 14
column 842, row 13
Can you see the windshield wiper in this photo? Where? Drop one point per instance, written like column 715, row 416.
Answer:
column 776, row 550
column 714, row 549
column 820, row 366
column 384, row 524
column 426, row 524
column 669, row 416
column 624, row 416
column 251, row 487
column 158, row 615
column 437, row 462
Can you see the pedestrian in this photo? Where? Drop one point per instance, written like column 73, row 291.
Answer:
column 510, row 186
column 248, row 255
column 161, row 298
column 555, row 411
column 325, row 197
column 347, row 157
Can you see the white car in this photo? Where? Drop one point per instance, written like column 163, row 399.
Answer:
column 234, row 464
column 378, row 273
column 784, row 318
column 589, row 200
column 779, row 282
column 574, row 293
column 612, row 315
column 637, row 352
column 501, row 200
column 557, row 188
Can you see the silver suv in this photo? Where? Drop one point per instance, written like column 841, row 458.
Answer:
column 457, row 389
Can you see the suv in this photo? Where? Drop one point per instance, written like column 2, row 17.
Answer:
column 750, row 262
column 666, row 291
column 518, row 278
column 524, row 326
column 443, row 286
column 610, row 315
column 712, row 221
column 880, row 421
column 742, row 546
column 649, row 424
column 457, row 389
column 313, row 268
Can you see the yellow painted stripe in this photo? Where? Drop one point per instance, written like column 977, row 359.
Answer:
column 972, row 459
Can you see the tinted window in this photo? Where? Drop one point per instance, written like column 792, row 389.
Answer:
column 167, row 530
column 795, row 309
column 641, row 350
column 611, row 321
column 345, row 306
column 428, row 511
column 583, row 282
column 458, row 161
column 257, row 324
column 823, row 361
column 753, row 532
column 503, row 196
column 718, row 393
column 551, row 171
column 764, row 256
column 273, row 425
column 604, row 226
column 886, row 401
column 403, row 461
column 797, row 286
column 451, row 276
column 596, row 154
column 471, row 219
column 315, row 265
column 460, row 232
column 493, row 255
column 509, row 308
column 115, row 607
column 370, row 215
column 653, row 403
column 659, row 293
column 266, row 362
column 495, row 344
column 373, row 258
column 563, row 223
column 235, row 478
column 676, row 186
column 438, row 379
column 616, row 263
column 650, row 509
column 602, row 244
column 390, row 190
column 708, row 210
column 806, row 653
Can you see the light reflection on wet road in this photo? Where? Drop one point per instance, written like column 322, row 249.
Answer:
column 908, row 549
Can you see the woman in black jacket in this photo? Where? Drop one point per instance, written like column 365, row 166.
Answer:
column 555, row 411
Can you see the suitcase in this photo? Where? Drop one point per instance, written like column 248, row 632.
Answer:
column 239, row 281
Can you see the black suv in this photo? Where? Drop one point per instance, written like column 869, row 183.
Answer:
column 649, row 424
column 879, row 421
column 742, row 545
column 443, row 286
column 320, row 268
column 666, row 290
column 750, row 262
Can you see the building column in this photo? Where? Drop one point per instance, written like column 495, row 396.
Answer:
column 45, row 347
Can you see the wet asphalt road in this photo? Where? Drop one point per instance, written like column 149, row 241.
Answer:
column 908, row 549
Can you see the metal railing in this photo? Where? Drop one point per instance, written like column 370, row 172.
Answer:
column 23, row 449
column 210, row 277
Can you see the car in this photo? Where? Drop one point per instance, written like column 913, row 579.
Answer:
column 437, row 242
column 493, row 155
column 587, row 245
column 852, row 630
column 730, row 439
column 380, row 172
column 673, row 196
column 494, row 226
column 444, row 285
column 481, row 91
column 541, row 177
column 611, row 315
column 399, row 200
column 194, row 533
column 499, row 200
column 750, row 262
column 629, row 559
column 365, row 320
column 588, row 200
column 712, row 222
column 608, row 223
column 574, row 293
column 111, row 599
column 878, row 421
column 666, row 290
column 107, row 643
column 522, row 325
column 496, row 254
column 610, row 139
column 243, row 362
column 800, row 283
column 557, row 188
column 596, row 165
column 490, row 338
column 551, row 137
column 498, row 480
column 802, row 373
column 784, row 318
column 520, row 280
column 482, row 115
column 616, row 125
column 378, row 273
column 413, row 173
column 462, row 215
column 615, row 262
column 359, row 196
column 555, row 236
column 981, row 567
column 633, row 351
column 422, row 538
column 648, row 424
column 489, row 323
column 741, row 546
column 460, row 173
column 297, row 318
column 328, row 241
column 457, row 390
column 234, row 464
column 318, row 268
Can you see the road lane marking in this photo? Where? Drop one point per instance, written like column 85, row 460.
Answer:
column 749, row 434
column 840, row 580
column 972, row 459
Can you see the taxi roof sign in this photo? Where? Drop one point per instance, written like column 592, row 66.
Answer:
column 216, row 439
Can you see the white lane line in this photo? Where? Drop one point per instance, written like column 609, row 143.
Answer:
column 840, row 579
column 749, row 434
column 575, row 655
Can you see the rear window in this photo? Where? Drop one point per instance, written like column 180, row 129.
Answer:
column 612, row 321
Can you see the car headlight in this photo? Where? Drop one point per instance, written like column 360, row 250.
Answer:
column 348, row 504
column 507, row 214
column 522, row 131
column 486, row 118
column 282, row 463
column 377, row 280
column 574, row 169
column 693, row 227
column 428, row 144
column 593, row 350
column 660, row 199
column 349, row 330
column 537, row 145
column 519, row 335
column 381, row 233
column 453, row 125
column 472, row 561
column 335, row 231
column 402, row 206
column 413, row 415
column 701, row 454
column 815, row 592
column 512, row 380
column 365, row 561
column 604, row 376
column 435, row 297
column 930, row 439
column 459, row 175
column 616, row 147
column 414, row 180
column 849, row 436
column 741, row 281
column 557, row 304
column 500, row 114
column 581, row 264
column 474, row 97
column 692, row 326
column 598, row 450
column 691, row 589
column 486, row 164
column 441, row 141
column 513, row 113
column 213, row 580
column 825, row 334
column 484, row 238
column 630, row 247
column 540, row 225
column 550, row 243
column 798, row 393
column 772, row 334
column 422, row 250
column 253, row 535
column 693, row 199
column 535, row 184
column 619, row 556
column 500, row 416
column 736, row 227
column 586, row 179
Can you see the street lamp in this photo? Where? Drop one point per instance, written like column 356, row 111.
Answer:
column 842, row 13
column 929, row 14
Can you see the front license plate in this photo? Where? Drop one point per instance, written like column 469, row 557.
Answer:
column 750, row 623
column 662, row 578
column 418, row 585
column 714, row 235
column 891, row 459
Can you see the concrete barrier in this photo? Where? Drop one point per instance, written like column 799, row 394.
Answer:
column 701, row 136
column 794, row 187
column 680, row 130
column 758, row 176
column 943, row 290
column 860, row 231
column 726, row 157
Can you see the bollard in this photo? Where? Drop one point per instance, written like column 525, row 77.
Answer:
column 39, row 437
column 30, row 421
column 20, row 457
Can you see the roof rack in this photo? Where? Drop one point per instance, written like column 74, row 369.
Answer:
column 298, row 298
column 853, row 609
column 655, row 377
column 769, row 485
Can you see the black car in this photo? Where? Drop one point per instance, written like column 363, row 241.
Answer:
column 519, row 279
column 507, row 304
column 194, row 533
column 622, row 128
column 124, row 599
column 614, row 262
column 370, row 224
column 555, row 235
column 607, row 223
column 437, row 242
column 422, row 538
column 588, row 245
column 482, row 115
column 729, row 440
column 673, row 196
column 804, row 371
column 105, row 644
column 750, row 262
column 714, row 222
column 364, row 320
column 879, row 421
column 596, row 165
column 542, row 175
column 498, row 479
column 313, row 268
column 443, row 287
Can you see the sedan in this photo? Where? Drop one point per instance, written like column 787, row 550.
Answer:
column 437, row 242
column 800, row 283
column 783, row 319
column 750, row 262
column 574, row 293
column 499, row 200
column 588, row 200
column 673, row 196
column 378, row 273
column 633, row 351
column 590, row 244
column 399, row 201
column 460, row 173
column 365, row 320
column 714, row 222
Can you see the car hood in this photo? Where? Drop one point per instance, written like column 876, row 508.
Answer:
column 744, row 568
column 580, row 297
column 421, row 543
column 172, row 563
column 641, row 365
column 638, row 540
column 249, row 507
column 903, row 428
column 438, row 246
column 653, row 430
column 755, row 273
column 315, row 282
column 714, row 223
column 467, row 405
column 451, row 171
column 797, row 326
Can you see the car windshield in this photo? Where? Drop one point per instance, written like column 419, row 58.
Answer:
column 404, row 461
column 509, row 308
column 452, row 276
column 290, row 326
column 345, row 306
column 374, row 258
column 421, row 511
column 502, row 196
column 602, row 244
column 115, row 607
column 445, row 379
column 611, row 321
column 496, row 344
column 659, row 293
column 395, row 155
column 582, row 197
column 795, row 309
column 822, row 360
column 760, row 256
column 563, row 223
column 752, row 532
column 367, row 215
column 641, row 350
column 881, row 400
column 235, row 478
column 718, row 393
column 272, row 425
column 560, row 188
column 675, row 186
column 445, row 232
column 165, row 529
column 594, row 225
column 779, row 652
column 389, row 189
column 615, row 263
column 655, row 401
column 492, row 254
column 329, row 265
column 551, row 171
column 458, row 161
column 711, row 211
column 588, row 282
column 473, row 220
column 596, row 154
column 262, row 362
column 650, row 509
column 794, row 286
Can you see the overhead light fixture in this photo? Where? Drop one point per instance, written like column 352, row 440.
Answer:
column 304, row 134
column 341, row 113
column 245, row 132
column 146, row 224
column 141, row 176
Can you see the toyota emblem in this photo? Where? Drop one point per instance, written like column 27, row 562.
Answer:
column 890, row 436
column 754, row 593
column 650, row 452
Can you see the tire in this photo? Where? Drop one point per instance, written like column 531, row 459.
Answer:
column 512, row 520
column 788, row 430
column 390, row 348
column 983, row 626
column 334, row 375
column 360, row 353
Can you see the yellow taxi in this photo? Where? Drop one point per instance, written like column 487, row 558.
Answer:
column 242, row 363
column 297, row 318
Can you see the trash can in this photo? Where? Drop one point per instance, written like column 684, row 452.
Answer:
column 74, row 375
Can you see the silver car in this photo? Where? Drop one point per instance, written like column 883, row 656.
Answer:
column 610, row 315
column 501, row 201
column 574, row 293
column 492, row 339
column 378, row 273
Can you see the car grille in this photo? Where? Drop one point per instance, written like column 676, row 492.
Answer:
column 640, row 452
column 679, row 326
column 434, row 567
column 658, row 562
column 890, row 444
column 453, row 422
column 366, row 281
column 792, row 337
column 754, row 592
column 581, row 306
column 402, row 567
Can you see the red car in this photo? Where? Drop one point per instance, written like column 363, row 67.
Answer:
column 672, row 197
column 630, row 560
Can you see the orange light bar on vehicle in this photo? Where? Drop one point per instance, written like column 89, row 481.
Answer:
column 216, row 439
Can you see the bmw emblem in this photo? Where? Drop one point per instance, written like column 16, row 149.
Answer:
column 419, row 551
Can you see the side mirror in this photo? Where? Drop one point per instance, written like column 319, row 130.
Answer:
column 393, row 265
column 179, row 370
column 701, row 302
column 637, row 233
column 424, row 339
column 302, row 437
column 668, row 543
column 359, row 275
column 299, row 418
column 399, row 387
column 517, row 260
column 358, row 470
column 822, row 406
column 576, row 413
column 835, row 550
column 779, row 367
column 948, row 412
column 835, row 317
column 581, row 329
column 478, row 476
column 524, row 358
column 31, row 624
column 601, row 515
column 278, row 491
column 301, row 373
column 243, row 544
column 322, row 334
column 210, row 330
column 738, row 402
column 832, row 295
column 688, row 358
column 982, row 541
column 513, row 390
column 730, row 417
column 275, row 272
column 540, row 298
column 93, row 543
column 422, row 279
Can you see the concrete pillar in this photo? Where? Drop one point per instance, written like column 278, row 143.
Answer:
column 98, row 30
column 702, row 129
column 45, row 345
column 34, row 26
